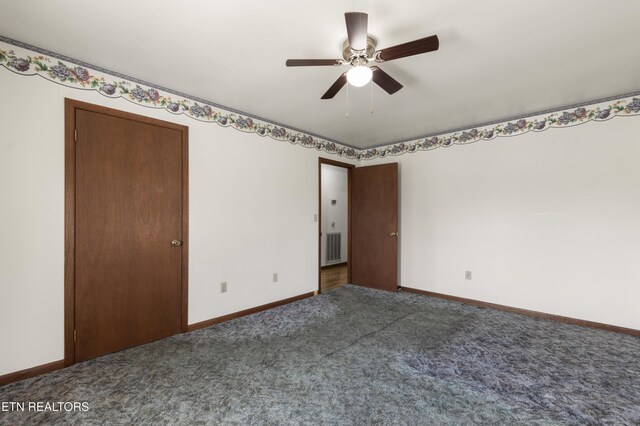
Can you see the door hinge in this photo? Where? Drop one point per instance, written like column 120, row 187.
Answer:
column 75, row 336
column 75, row 135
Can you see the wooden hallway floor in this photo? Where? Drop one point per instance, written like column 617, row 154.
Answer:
column 333, row 277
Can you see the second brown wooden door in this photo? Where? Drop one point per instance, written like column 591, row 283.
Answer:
column 374, row 227
column 128, row 283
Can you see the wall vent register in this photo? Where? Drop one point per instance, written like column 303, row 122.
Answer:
column 334, row 244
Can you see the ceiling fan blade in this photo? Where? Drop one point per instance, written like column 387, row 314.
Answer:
column 357, row 29
column 335, row 87
column 312, row 62
column 411, row 48
column 384, row 80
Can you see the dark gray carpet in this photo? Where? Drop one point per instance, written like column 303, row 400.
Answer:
column 356, row 356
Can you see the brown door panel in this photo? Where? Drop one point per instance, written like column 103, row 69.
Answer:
column 128, row 209
column 374, row 227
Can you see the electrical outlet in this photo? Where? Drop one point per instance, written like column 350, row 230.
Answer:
column 223, row 287
column 467, row 275
column 275, row 277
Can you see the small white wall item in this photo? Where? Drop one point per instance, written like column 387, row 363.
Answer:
column 545, row 221
column 334, row 182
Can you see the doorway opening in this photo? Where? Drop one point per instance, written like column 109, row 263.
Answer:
column 334, row 224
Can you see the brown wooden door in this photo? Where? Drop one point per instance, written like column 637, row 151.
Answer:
column 374, row 227
column 128, row 284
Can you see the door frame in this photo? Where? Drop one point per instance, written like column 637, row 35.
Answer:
column 349, row 168
column 70, row 107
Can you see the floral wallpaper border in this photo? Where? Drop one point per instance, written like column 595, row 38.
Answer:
column 75, row 74
column 626, row 106
column 80, row 76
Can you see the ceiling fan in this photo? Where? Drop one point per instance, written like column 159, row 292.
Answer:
column 359, row 49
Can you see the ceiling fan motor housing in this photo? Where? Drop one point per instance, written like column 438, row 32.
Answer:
column 349, row 54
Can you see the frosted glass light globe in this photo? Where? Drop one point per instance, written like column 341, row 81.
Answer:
column 359, row 76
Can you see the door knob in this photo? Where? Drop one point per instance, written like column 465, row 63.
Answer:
column 176, row 243
column 393, row 234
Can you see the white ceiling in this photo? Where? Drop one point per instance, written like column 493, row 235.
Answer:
column 497, row 59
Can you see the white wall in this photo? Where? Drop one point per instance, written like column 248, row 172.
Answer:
column 251, row 213
column 545, row 221
column 334, row 186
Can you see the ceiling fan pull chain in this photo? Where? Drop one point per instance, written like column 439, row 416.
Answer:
column 347, row 100
column 371, row 85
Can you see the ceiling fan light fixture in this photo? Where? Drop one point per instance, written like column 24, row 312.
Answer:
column 359, row 76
